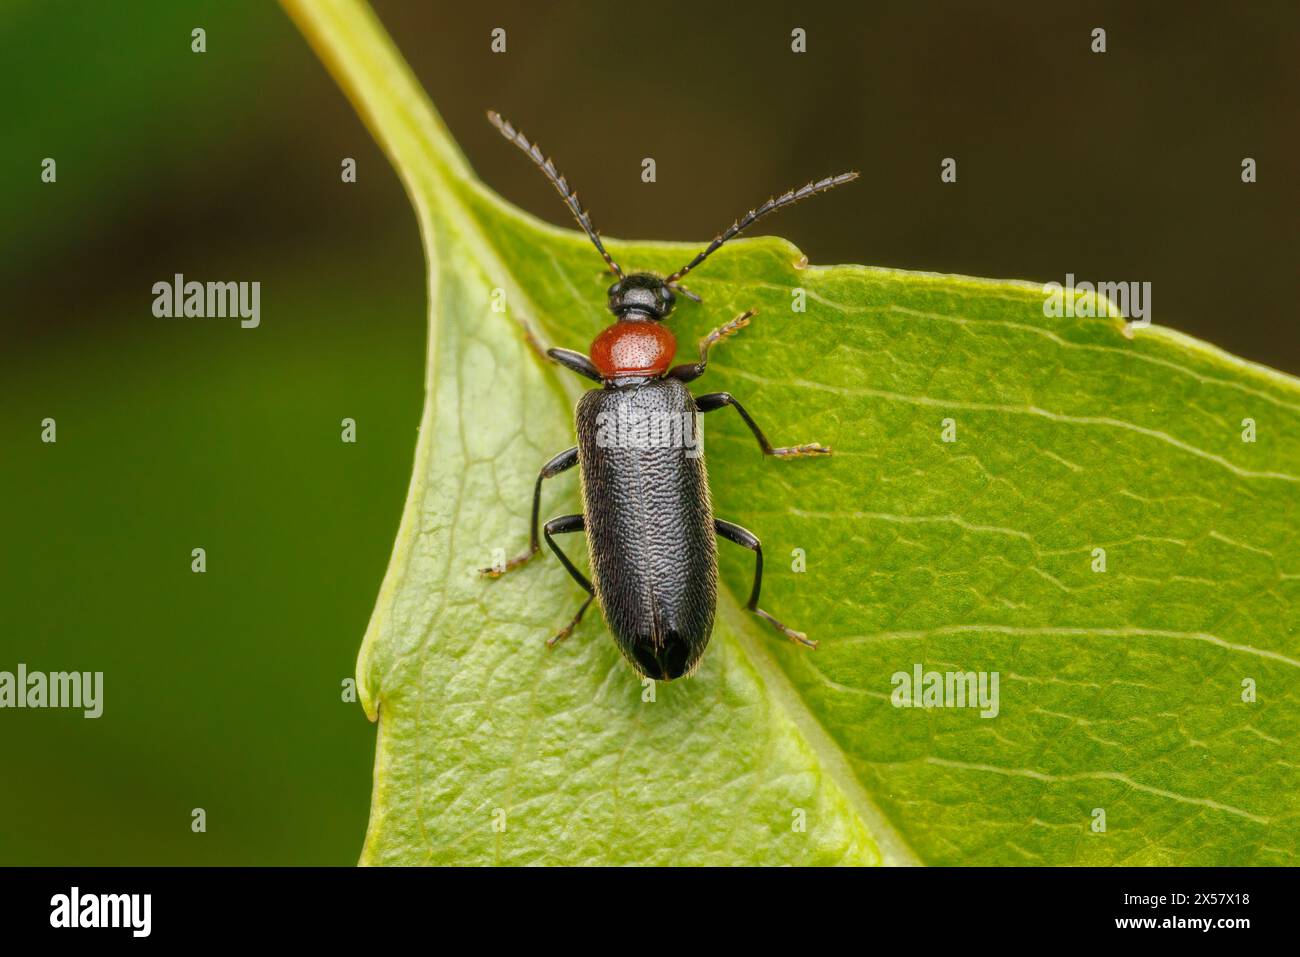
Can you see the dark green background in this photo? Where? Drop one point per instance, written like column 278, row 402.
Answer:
column 223, row 690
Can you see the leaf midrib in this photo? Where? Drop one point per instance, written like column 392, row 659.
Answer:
column 894, row 850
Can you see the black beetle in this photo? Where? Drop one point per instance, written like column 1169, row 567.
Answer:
column 645, row 493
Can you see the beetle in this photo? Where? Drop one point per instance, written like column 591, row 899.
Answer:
column 646, row 510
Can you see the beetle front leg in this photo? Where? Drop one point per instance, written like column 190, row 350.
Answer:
column 573, row 361
column 561, row 526
column 561, row 463
column 685, row 373
column 718, row 400
column 742, row 536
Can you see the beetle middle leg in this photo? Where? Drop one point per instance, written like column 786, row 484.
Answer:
column 743, row 536
column 561, row 463
column 718, row 400
column 560, row 526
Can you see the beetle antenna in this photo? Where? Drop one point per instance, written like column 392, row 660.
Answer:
column 754, row 215
column 559, row 182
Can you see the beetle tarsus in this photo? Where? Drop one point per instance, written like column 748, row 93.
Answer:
column 798, row 637
column 795, row 451
column 494, row 572
column 567, row 630
column 727, row 329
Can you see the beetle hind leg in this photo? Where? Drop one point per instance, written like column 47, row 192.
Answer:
column 561, row 526
column 744, row 537
column 798, row 637
column 567, row 630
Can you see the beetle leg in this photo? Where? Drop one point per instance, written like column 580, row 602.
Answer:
column 685, row 373
column 742, row 536
column 567, row 630
column 718, row 400
column 575, row 362
column 561, row 463
column 561, row 526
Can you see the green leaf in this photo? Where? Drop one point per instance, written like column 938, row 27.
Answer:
column 1120, row 690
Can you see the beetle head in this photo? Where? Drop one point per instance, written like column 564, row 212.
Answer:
column 641, row 296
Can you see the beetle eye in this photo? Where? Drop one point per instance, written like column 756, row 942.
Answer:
column 613, row 290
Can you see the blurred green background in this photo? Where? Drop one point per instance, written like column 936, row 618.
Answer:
column 223, row 690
